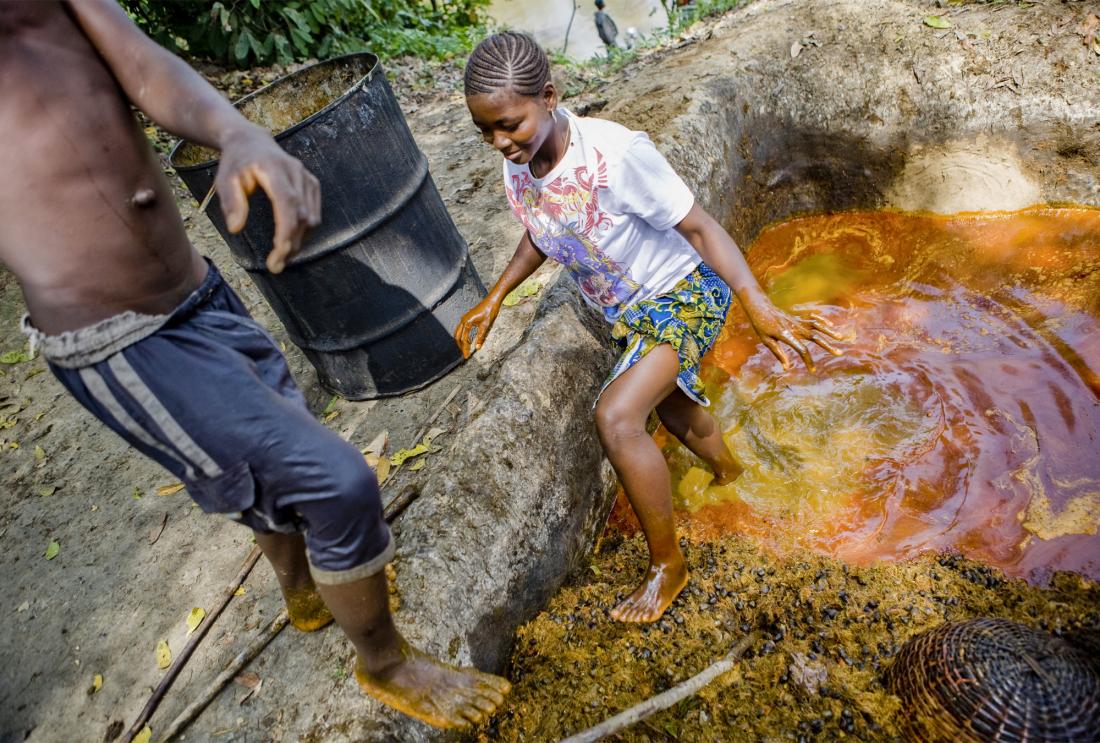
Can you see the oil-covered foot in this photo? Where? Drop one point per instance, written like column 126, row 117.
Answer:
column 726, row 469
column 662, row 584
column 434, row 692
column 306, row 609
column 726, row 472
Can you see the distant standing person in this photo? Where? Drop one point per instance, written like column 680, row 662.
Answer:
column 148, row 337
column 606, row 27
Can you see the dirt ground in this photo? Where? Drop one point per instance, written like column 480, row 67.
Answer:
column 130, row 564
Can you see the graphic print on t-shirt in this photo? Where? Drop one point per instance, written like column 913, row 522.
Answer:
column 566, row 223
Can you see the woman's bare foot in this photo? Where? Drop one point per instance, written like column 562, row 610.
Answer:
column 306, row 609
column 432, row 691
column 726, row 472
column 662, row 584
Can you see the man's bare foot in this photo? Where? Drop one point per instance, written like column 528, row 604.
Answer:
column 660, row 588
column 306, row 609
column 434, row 692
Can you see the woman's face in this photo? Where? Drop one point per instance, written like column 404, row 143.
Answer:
column 516, row 125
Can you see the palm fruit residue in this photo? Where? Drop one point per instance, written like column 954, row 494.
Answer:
column 826, row 633
column 964, row 413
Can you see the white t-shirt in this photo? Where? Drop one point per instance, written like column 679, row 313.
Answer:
column 606, row 212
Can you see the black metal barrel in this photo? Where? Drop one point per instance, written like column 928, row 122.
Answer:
column 378, row 288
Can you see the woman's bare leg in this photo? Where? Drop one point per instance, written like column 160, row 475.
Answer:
column 621, row 415
column 698, row 431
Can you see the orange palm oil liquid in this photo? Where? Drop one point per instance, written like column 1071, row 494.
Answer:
column 964, row 413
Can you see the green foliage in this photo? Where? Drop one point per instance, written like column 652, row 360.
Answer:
column 244, row 33
column 686, row 16
column 680, row 19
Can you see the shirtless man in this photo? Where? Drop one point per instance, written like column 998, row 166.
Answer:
column 146, row 335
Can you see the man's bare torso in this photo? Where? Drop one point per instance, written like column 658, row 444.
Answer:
column 88, row 223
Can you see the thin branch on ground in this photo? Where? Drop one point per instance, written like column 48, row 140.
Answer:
column 665, row 699
column 191, row 711
column 192, row 643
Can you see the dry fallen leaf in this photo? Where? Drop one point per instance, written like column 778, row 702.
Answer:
column 241, row 590
column 14, row 357
column 796, row 49
column 144, row 736
column 47, row 490
column 432, row 435
column 52, row 549
column 382, row 471
column 250, row 681
column 23, row 606
column 194, row 619
column 377, row 447
column 417, row 465
column 39, row 453
column 402, row 455
column 528, row 288
column 164, row 655
column 97, row 684
column 170, row 489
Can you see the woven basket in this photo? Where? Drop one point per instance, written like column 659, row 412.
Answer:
column 996, row 680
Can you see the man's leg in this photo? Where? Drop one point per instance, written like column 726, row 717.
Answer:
column 399, row 675
column 348, row 547
column 621, row 415
column 287, row 555
column 696, row 429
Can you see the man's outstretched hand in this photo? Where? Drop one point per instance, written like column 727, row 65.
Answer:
column 251, row 158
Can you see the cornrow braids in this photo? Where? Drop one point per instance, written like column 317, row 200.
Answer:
column 508, row 60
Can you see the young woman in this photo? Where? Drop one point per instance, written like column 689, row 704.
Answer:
column 602, row 201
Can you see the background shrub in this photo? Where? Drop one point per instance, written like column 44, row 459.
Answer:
column 243, row 33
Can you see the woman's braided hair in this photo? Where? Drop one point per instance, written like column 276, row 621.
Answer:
column 508, row 60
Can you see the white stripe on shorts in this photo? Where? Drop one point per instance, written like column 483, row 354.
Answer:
column 144, row 397
column 98, row 388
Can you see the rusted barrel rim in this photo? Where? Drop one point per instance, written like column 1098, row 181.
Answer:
column 375, row 68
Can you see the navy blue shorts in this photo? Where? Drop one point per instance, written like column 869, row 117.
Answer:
column 209, row 396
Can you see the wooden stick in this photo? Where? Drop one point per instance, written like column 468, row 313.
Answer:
column 399, row 503
column 191, row 711
column 192, row 643
column 665, row 699
column 206, row 199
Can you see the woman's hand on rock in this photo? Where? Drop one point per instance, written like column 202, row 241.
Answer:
column 478, row 320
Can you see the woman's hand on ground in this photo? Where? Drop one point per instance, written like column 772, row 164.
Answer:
column 252, row 158
column 773, row 325
column 479, row 319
